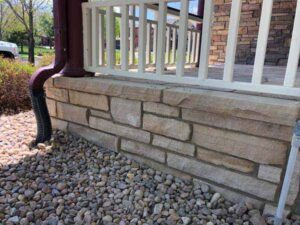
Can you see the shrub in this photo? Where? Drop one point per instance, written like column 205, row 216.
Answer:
column 14, row 78
column 46, row 60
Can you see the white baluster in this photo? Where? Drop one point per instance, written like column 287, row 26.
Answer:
column 132, row 36
column 95, row 33
column 124, row 37
column 174, row 38
column 161, row 38
column 188, row 59
column 110, row 37
column 233, row 30
column 148, row 45
column 193, row 47
column 197, row 47
column 168, row 45
column 293, row 61
column 101, row 40
column 86, row 20
column 142, row 37
column 154, row 42
column 262, row 41
column 206, row 39
column 183, row 26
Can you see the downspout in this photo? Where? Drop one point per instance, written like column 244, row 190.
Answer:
column 38, row 79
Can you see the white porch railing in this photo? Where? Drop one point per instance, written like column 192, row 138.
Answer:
column 161, row 44
column 194, row 36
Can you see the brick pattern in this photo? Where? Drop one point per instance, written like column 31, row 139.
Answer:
column 203, row 135
column 279, row 37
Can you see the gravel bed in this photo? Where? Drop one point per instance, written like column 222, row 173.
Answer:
column 16, row 134
column 71, row 181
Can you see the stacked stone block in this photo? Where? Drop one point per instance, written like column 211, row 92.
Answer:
column 236, row 143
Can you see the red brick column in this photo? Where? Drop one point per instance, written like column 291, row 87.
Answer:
column 279, row 38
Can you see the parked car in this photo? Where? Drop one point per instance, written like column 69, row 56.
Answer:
column 9, row 50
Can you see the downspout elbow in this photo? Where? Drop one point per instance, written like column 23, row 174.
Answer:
column 38, row 79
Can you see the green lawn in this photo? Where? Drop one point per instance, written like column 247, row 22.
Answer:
column 38, row 51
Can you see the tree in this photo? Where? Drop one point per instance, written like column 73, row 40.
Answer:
column 4, row 19
column 18, row 37
column 25, row 11
column 46, row 26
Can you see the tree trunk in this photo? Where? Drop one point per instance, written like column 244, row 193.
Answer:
column 31, row 43
column 1, row 21
column 31, row 48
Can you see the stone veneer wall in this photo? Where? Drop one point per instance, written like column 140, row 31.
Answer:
column 279, row 37
column 236, row 143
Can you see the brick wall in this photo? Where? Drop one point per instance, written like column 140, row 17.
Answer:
column 279, row 37
column 236, row 143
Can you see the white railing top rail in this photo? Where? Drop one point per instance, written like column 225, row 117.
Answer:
column 136, row 18
column 163, row 43
column 152, row 6
column 176, row 13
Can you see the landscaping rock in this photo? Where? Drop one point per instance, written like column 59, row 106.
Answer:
column 80, row 183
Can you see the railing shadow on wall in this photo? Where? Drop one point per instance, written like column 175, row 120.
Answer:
column 161, row 44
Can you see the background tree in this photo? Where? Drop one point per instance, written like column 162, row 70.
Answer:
column 46, row 26
column 25, row 11
column 5, row 17
column 18, row 37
